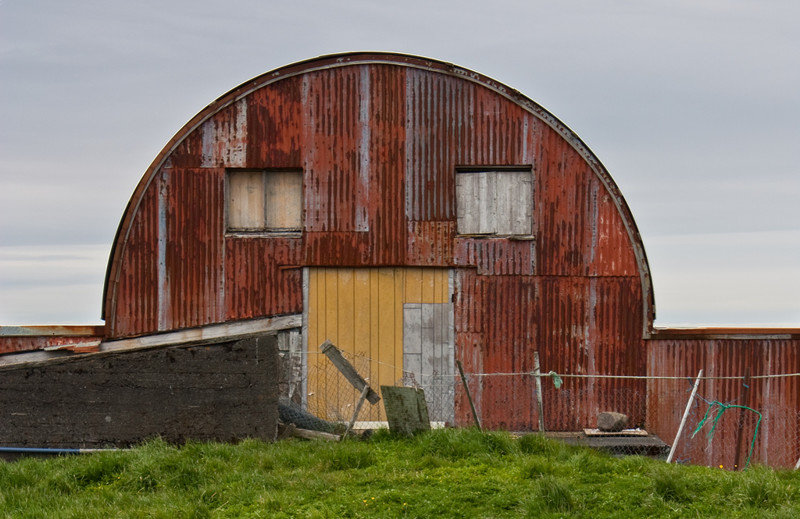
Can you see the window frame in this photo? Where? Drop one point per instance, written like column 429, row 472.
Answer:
column 264, row 230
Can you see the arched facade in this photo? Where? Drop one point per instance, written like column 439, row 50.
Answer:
column 395, row 191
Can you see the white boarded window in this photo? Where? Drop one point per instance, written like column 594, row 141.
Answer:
column 265, row 201
column 498, row 202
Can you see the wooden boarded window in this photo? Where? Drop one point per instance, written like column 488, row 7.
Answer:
column 265, row 201
column 495, row 202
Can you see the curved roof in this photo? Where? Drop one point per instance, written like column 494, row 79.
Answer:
column 357, row 58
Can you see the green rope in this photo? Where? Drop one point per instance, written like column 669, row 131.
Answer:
column 722, row 409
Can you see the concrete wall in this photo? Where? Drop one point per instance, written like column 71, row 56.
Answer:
column 224, row 392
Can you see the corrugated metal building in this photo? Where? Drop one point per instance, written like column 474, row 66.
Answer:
column 380, row 194
column 415, row 213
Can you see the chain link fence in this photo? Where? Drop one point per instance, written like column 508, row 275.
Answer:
column 731, row 423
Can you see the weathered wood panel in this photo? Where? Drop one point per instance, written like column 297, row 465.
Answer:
column 245, row 200
column 283, row 192
column 494, row 202
column 361, row 312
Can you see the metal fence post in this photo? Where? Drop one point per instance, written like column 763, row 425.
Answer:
column 685, row 416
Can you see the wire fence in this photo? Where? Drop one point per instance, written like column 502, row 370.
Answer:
column 733, row 422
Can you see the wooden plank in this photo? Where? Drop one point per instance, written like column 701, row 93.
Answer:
column 397, row 342
column 283, row 200
column 469, row 395
column 361, row 312
column 347, row 369
column 514, row 206
column 413, row 285
column 474, row 202
column 386, row 303
column 486, row 203
column 313, row 336
column 624, row 432
column 345, row 319
column 406, row 410
column 245, row 200
column 428, row 290
column 210, row 333
column 357, row 410
column 312, row 435
column 374, row 331
column 674, row 447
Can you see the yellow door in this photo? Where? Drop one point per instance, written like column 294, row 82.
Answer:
column 360, row 310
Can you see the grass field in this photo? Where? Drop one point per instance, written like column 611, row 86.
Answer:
column 446, row 473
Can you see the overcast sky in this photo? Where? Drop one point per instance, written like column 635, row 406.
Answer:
column 693, row 107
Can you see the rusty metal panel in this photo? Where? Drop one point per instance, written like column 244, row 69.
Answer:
column 262, row 277
column 327, row 249
column 591, row 326
column 430, row 243
column 188, row 153
column 579, row 229
column 496, row 256
column 334, row 148
column 378, row 145
column 225, row 137
column 776, row 398
column 28, row 338
column 578, row 326
column 193, row 282
column 452, row 122
column 275, row 125
column 387, row 237
column 136, row 306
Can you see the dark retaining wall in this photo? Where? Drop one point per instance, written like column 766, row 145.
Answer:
column 225, row 392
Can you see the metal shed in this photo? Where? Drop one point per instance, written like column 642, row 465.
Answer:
column 410, row 194
column 416, row 214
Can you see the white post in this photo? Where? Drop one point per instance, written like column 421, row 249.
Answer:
column 357, row 410
column 685, row 416
column 797, row 465
column 538, row 376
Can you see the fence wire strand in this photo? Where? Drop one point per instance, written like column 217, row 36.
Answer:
column 740, row 435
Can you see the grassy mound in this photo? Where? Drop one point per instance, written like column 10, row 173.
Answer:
column 445, row 473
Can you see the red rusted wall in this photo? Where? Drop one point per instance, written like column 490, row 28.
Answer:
column 577, row 324
column 15, row 339
column 379, row 144
column 778, row 440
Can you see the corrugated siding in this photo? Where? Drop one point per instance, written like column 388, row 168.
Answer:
column 194, row 245
column 578, row 325
column 137, row 292
column 777, row 443
column 361, row 312
column 579, row 230
column 378, row 145
column 262, row 277
column 38, row 342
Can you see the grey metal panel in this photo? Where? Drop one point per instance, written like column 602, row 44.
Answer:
column 290, row 353
column 429, row 353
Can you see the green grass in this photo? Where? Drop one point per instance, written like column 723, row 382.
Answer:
column 446, row 473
